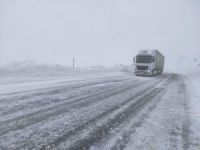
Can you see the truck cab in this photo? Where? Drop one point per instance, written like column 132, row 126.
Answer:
column 149, row 62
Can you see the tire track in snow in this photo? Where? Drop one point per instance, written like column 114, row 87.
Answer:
column 97, row 99
column 179, row 134
column 55, row 90
column 43, row 114
column 76, row 83
column 41, row 101
column 186, row 121
column 163, row 128
column 100, row 131
column 121, row 143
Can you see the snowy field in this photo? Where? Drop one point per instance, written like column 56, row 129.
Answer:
column 101, row 111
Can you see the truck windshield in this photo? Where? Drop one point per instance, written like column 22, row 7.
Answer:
column 144, row 59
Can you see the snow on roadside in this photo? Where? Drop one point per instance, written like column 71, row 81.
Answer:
column 193, row 87
column 163, row 127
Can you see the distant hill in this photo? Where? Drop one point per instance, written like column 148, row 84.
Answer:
column 32, row 68
column 29, row 64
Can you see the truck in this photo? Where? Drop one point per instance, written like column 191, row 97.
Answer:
column 149, row 62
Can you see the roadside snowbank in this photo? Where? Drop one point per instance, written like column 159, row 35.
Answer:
column 193, row 87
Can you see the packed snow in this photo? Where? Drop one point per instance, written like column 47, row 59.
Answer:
column 98, row 108
column 193, row 86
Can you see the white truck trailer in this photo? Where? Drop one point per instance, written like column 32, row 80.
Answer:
column 149, row 62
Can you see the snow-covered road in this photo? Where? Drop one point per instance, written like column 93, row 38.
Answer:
column 110, row 112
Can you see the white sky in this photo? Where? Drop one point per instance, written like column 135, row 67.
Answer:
column 97, row 32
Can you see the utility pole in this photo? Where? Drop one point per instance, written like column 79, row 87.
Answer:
column 73, row 63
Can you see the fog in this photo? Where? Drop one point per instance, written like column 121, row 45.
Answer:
column 97, row 32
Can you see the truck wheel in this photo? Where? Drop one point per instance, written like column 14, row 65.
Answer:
column 154, row 72
column 159, row 71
